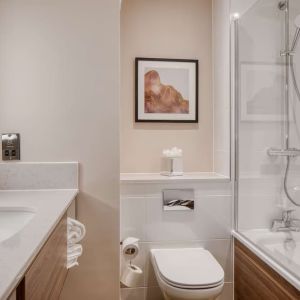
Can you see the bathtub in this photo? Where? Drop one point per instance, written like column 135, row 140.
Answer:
column 280, row 250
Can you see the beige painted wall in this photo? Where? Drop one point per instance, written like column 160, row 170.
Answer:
column 169, row 29
column 59, row 78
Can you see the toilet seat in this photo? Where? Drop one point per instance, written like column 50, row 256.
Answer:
column 188, row 268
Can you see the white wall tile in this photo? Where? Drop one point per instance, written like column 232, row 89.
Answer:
column 133, row 217
column 210, row 219
column 133, row 294
column 227, row 293
column 259, row 136
column 153, row 293
column 222, row 161
column 259, row 163
column 169, row 225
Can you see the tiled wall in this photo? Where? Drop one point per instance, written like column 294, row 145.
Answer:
column 208, row 226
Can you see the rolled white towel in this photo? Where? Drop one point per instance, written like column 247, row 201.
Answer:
column 75, row 233
column 73, row 253
column 76, row 230
column 72, row 263
column 73, row 257
column 74, row 250
column 77, row 226
column 74, row 237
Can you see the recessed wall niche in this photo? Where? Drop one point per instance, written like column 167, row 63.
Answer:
column 176, row 29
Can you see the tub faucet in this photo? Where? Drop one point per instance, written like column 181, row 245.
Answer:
column 287, row 223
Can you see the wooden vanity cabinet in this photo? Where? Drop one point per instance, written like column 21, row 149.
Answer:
column 255, row 280
column 45, row 277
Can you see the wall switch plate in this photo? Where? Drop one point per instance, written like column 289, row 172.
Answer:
column 178, row 199
column 10, row 146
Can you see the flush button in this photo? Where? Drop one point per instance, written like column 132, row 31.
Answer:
column 10, row 146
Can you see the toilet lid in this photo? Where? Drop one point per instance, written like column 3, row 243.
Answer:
column 188, row 267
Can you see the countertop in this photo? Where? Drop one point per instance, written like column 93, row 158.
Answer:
column 18, row 252
column 159, row 178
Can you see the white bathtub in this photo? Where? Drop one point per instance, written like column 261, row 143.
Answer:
column 280, row 250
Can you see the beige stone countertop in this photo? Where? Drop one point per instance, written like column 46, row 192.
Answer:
column 18, row 251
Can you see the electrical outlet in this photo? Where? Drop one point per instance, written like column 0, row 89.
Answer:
column 10, row 146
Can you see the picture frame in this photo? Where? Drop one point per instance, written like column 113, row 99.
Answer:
column 166, row 90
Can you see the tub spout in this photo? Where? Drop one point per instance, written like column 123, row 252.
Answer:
column 287, row 223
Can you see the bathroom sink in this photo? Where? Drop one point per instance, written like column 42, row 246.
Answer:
column 13, row 220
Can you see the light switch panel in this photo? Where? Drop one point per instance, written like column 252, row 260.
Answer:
column 10, row 146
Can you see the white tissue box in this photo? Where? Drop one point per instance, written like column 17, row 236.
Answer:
column 174, row 166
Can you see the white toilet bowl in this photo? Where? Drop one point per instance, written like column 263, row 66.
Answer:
column 187, row 273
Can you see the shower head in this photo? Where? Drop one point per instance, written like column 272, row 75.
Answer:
column 297, row 33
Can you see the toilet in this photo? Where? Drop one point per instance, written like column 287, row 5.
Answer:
column 187, row 273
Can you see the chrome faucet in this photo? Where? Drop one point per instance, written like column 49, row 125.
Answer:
column 287, row 223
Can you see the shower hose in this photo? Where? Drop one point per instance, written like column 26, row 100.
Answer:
column 294, row 115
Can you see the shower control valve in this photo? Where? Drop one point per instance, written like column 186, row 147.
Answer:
column 287, row 53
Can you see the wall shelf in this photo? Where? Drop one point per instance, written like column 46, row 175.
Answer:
column 158, row 178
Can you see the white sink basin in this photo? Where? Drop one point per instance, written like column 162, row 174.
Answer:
column 14, row 219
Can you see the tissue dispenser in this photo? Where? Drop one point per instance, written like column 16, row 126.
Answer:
column 173, row 164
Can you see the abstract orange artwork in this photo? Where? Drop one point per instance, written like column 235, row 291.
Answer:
column 163, row 98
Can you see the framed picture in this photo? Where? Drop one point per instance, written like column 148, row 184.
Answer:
column 262, row 91
column 166, row 90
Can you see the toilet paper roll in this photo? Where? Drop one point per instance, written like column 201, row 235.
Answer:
column 130, row 248
column 131, row 275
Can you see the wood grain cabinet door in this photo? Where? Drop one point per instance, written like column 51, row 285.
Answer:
column 46, row 276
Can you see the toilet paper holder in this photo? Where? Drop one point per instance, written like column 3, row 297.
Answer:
column 130, row 251
column 130, row 248
column 131, row 274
